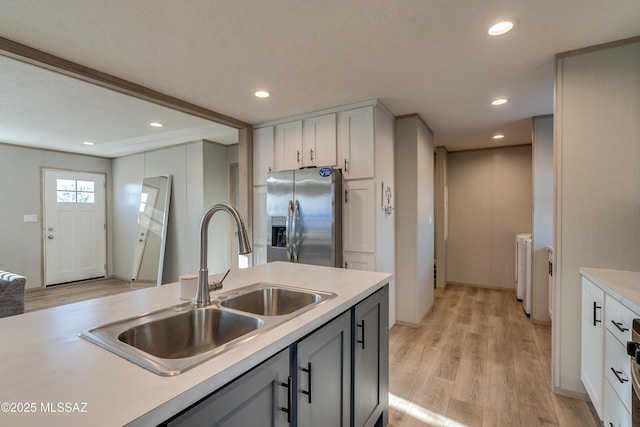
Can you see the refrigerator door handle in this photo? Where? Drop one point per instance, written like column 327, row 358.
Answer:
column 296, row 231
column 287, row 234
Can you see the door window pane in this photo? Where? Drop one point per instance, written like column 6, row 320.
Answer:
column 85, row 186
column 66, row 197
column 66, row 184
column 85, row 197
column 75, row 191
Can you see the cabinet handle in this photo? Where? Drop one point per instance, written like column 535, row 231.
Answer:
column 298, row 156
column 550, row 268
column 311, row 153
column 617, row 374
column 361, row 341
column 308, row 371
column 346, row 264
column 620, row 326
column 596, row 307
column 611, row 424
column 287, row 410
column 346, row 169
column 346, row 196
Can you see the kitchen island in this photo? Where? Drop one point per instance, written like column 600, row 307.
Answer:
column 51, row 376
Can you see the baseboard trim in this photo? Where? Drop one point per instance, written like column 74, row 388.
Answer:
column 414, row 325
column 475, row 285
column 570, row 393
column 402, row 323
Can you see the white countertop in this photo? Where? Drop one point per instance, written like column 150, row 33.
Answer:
column 621, row 285
column 44, row 363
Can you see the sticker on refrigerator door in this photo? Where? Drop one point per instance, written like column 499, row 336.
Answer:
column 325, row 172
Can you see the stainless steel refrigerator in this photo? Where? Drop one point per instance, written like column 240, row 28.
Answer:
column 304, row 216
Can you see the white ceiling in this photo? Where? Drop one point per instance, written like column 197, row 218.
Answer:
column 41, row 108
column 431, row 57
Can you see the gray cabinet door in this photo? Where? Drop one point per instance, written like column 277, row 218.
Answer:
column 371, row 355
column 255, row 399
column 324, row 375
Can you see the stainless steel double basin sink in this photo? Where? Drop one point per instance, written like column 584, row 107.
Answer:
column 173, row 340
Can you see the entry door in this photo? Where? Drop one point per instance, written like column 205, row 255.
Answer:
column 74, row 226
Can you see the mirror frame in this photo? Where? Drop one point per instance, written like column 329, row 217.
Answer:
column 142, row 229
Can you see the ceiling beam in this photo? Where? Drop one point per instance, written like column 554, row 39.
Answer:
column 36, row 57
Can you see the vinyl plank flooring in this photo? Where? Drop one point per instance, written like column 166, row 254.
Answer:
column 52, row 296
column 573, row 412
column 470, row 380
column 477, row 360
column 465, row 413
column 501, row 406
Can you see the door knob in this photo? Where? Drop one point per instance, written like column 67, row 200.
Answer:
column 50, row 236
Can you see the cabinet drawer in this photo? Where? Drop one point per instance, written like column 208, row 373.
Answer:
column 619, row 319
column 615, row 413
column 616, row 359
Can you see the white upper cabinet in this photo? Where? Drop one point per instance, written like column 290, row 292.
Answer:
column 358, row 225
column 356, row 143
column 288, row 146
column 262, row 154
column 319, row 141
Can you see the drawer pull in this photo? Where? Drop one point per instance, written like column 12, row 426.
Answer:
column 595, row 308
column 308, row 372
column 361, row 341
column 620, row 326
column 287, row 410
column 617, row 374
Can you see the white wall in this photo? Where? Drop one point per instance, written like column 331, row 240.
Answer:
column 216, row 190
column 414, row 209
column 20, row 194
column 385, row 224
column 490, row 193
column 441, row 214
column 192, row 192
column 542, row 230
column 597, row 219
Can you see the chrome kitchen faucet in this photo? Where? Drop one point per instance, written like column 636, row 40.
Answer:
column 203, row 298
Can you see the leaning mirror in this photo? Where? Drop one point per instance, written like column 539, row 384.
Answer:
column 151, row 235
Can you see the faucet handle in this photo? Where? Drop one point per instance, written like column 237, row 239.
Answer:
column 216, row 285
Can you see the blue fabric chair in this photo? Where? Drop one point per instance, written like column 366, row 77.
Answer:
column 12, row 288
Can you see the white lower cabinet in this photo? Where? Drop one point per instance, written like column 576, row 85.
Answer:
column 606, row 367
column 592, row 343
column 336, row 376
column 615, row 414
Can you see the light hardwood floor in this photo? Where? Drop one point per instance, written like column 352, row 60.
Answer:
column 38, row 299
column 476, row 360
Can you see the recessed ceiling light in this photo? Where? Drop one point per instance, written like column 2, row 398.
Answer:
column 88, row 143
column 501, row 28
column 498, row 136
column 262, row 94
column 156, row 124
column 499, row 101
